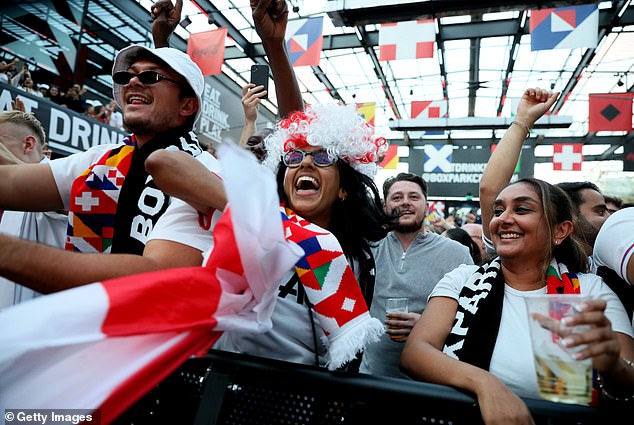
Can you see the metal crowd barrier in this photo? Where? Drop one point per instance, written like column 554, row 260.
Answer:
column 233, row 389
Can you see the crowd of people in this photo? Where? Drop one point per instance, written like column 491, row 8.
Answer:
column 465, row 283
column 74, row 98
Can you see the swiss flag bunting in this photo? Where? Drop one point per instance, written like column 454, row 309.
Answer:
column 567, row 157
column 407, row 40
column 207, row 50
column 610, row 112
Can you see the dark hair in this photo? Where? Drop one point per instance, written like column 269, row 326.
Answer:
column 357, row 220
column 255, row 143
column 573, row 190
column 461, row 235
column 615, row 200
column 387, row 184
column 558, row 208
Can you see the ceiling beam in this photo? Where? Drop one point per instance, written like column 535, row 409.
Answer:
column 586, row 140
column 448, row 32
column 378, row 70
column 362, row 12
column 521, row 21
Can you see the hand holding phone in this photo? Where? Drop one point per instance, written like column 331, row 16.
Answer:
column 260, row 76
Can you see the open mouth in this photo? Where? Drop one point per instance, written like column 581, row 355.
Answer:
column 509, row 235
column 135, row 99
column 306, row 184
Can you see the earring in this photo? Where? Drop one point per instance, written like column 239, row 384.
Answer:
column 556, row 241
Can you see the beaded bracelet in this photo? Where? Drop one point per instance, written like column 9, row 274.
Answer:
column 611, row 397
column 524, row 126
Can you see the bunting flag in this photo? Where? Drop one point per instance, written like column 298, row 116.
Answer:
column 428, row 109
column 610, row 112
column 407, row 40
column 304, row 41
column 567, row 156
column 367, row 111
column 565, row 28
column 390, row 160
column 207, row 50
column 104, row 345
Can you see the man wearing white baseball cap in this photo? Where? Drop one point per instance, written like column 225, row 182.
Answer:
column 114, row 205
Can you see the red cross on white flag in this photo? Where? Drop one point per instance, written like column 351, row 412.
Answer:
column 567, row 157
column 407, row 40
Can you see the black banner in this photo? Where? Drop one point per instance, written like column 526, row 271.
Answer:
column 67, row 131
column 455, row 171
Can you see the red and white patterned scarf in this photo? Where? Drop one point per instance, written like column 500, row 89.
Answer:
column 332, row 289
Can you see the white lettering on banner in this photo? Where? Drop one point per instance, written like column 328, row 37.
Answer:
column 81, row 130
column 141, row 228
column 467, row 168
column 151, row 201
column 57, row 132
column 5, row 100
column 29, row 104
column 452, row 177
column 213, row 120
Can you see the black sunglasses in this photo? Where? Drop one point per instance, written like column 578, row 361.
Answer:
column 293, row 158
column 145, row 77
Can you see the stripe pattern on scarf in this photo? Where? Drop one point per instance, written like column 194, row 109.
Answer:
column 477, row 321
column 93, row 200
column 115, row 203
column 332, row 289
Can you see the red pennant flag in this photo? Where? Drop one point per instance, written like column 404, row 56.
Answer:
column 207, row 49
column 610, row 112
column 567, row 157
column 428, row 109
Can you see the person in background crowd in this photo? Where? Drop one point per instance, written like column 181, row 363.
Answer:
column 409, row 263
column 591, row 211
column 24, row 138
column 614, row 203
column 43, row 89
column 475, row 232
column 250, row 138
column 115, row 208
column 459, row 235
column 6, row 68
column 74, row 99
column 115, row 119
column 54, row 95
column 24, row 81
column 474, row 332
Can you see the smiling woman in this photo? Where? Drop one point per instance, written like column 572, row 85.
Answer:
column 325, row 159
column 475, row 327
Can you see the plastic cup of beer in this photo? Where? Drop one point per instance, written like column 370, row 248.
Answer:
column 560, row 377
column 396, row 305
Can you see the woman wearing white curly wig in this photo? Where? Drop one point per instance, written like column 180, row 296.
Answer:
column 325, row 160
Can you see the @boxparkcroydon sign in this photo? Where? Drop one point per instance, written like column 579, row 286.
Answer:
column 67, row 131
column 455, row 171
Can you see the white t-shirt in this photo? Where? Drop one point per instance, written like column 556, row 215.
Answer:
column 615, row 242
column 512, row 360
column 48, row 228
column 179, row 223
